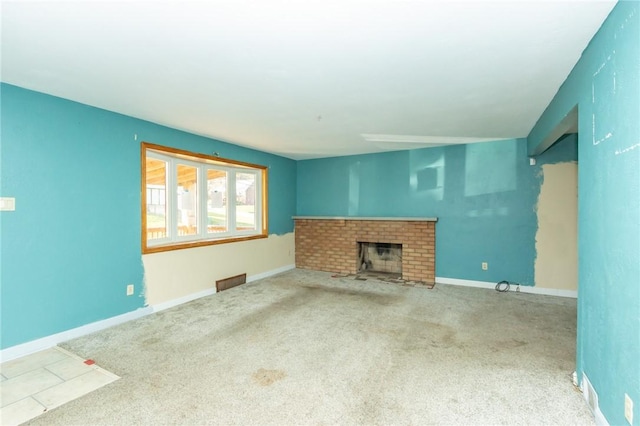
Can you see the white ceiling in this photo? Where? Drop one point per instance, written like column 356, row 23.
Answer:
column 306, row 79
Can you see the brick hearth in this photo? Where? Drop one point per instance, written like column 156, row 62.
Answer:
column 331, row 244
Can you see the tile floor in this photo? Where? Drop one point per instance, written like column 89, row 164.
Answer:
column 31, row 385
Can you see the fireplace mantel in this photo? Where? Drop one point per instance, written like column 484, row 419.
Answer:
column 399, row 219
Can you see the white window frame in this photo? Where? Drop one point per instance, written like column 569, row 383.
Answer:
column 202, row 163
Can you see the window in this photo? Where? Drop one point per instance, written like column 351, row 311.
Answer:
column 191, row 200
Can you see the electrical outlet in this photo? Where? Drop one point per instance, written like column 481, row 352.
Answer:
column 7, row 204
column 130, row 290
column 628, row 408
column 485, row 266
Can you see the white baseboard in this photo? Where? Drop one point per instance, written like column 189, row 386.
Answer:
column 599, row 418
column 208, row 292
column 184, row 299
column 47, row 342
column 523, row 288
column 588, row 388
column 270, row 273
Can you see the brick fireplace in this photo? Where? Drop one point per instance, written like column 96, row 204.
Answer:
column 331, row 244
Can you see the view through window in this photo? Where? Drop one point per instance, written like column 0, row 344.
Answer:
column 193, row 199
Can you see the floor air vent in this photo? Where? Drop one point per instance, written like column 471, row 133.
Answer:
column 227, row 283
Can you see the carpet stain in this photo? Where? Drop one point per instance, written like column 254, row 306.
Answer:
column 430, row 335
column 265, row 377
column 369, row 296
column 151, row 341
column 507, row 344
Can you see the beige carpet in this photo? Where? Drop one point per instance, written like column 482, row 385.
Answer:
column 305, row 348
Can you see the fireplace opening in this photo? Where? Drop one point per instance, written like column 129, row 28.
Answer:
column 380, row 257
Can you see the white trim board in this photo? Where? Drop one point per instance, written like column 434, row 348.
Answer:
column 599, row 418
column 180, row 300
column 272, row 272
column 52, row 340
column 523, row 288
column 208, row 292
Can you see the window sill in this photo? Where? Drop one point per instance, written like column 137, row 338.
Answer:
column 201, row 243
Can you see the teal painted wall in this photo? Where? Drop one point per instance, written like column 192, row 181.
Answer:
column 484, row 196
column 73, row 243
column 605, row 84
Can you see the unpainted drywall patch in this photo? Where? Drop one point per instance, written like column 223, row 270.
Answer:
column 176, row 274
column 557, row 236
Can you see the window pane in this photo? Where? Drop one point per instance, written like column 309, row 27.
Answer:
column 245, row 201
column 197, row 200
column 156, row 182
column 187, row 198
column 217, row 201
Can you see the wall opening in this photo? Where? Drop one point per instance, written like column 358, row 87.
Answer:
column 557, row 259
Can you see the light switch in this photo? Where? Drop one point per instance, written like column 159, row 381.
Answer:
column 7, row 204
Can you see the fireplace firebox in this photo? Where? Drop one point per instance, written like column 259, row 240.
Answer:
column 379, row 257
